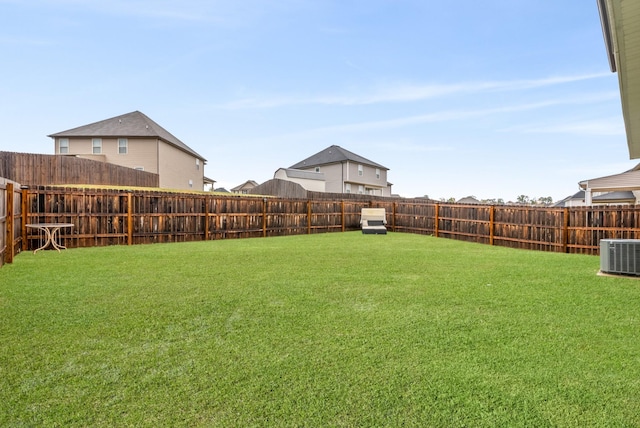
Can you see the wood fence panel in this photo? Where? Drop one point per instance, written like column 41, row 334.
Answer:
column 529, row 227
column 465, row 222
column 286, row 217
column 588, row 225
column 3, row 223
column 40, row 170
column 415, row 218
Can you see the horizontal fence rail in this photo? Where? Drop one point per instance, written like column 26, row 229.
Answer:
column 125, row 217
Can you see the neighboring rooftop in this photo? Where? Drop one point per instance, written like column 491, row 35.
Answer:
column 334, row 154
column 134, row 124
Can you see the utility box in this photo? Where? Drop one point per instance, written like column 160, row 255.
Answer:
column 620, row 256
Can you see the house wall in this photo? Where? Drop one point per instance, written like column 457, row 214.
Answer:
column 175, row 167
column 141, row 152
column 337, row 175
column 372, row 184
column 333, row 175
column 178, row 170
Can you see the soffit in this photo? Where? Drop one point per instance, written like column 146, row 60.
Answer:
column 625, row 23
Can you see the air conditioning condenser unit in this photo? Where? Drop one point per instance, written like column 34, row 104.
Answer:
column 620, row 256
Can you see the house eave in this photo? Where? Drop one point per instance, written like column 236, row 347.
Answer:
column 619, row 21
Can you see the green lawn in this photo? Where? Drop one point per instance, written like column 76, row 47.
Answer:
column 339, row 329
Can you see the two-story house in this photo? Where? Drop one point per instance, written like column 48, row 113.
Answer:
column 347, row 172
column 135, row 141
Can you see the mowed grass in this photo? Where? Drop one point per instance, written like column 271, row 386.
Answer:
column 339, row 329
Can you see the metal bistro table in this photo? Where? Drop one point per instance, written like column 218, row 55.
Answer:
column 51, row 233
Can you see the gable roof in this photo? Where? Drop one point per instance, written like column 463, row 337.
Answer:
column 468, row 200
column 134, row 124
column 249, row 184
column 334, row 154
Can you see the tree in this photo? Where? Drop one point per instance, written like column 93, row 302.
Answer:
column 523, row 199
column 545, row 200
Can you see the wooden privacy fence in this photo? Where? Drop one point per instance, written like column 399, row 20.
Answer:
column 112, row 217
column 36, row 169
column 119, row 217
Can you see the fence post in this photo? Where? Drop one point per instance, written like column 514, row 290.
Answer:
column 9, row 225
column 264, row 217
column 309, row 216
column 129, row 218
column 491, row 223
column 206, row 217
column 565, row 230
column 25, row 218
column 437, row 220
column 393, row 217
column 342, row 214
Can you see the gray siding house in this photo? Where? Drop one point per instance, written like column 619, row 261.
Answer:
column 347, row 172
column 135, row 141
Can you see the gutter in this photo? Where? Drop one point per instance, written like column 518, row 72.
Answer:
column 606, row 32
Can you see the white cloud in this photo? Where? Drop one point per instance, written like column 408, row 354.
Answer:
column 613, row 127
column 452, row 115
column 25, row 41
column 404, row 92
column 435, row 117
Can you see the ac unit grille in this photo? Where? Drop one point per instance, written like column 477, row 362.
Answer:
column 620, row 256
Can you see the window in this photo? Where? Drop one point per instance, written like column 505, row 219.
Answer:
column 361, row 189
column 96, row 144
column 347, row 188
column 197, row 164
column 360, row 170
column 378, row 173
column 317, row 169
column 122, row 146
column 139, row 168
column 63, row 145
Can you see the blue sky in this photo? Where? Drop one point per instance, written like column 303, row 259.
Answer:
column 494, row 99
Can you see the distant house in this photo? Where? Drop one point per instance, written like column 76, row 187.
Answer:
column 575, row 200
column 468, row 200
column 135, row 141
column 244, row 187
column 623, row 188
column 344, row 172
